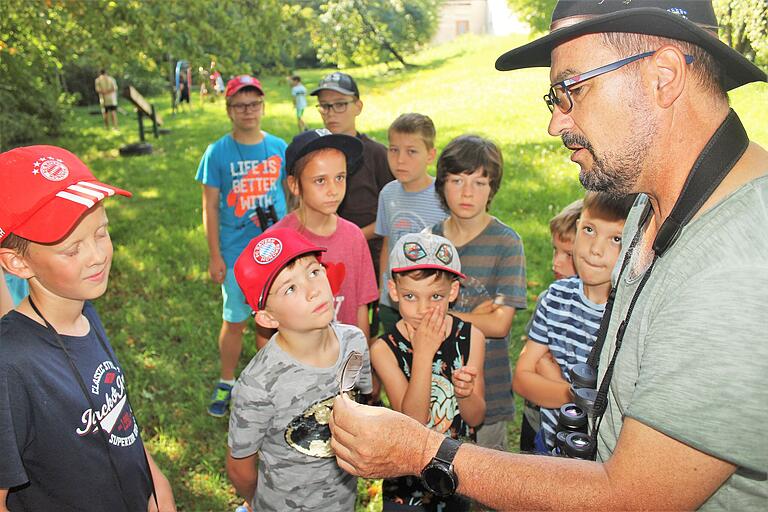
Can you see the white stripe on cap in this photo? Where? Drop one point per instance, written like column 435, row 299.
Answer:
column 75, row 198
column 87, row 191
column 97, row 186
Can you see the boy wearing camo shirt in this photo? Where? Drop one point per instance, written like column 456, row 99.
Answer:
column 279, row 454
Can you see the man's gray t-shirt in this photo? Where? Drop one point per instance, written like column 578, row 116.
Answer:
column 694, row 360
column 280, row 409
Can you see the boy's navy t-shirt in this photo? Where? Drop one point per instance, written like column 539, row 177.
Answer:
column 53, row 457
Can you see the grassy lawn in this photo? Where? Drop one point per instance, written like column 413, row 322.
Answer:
column 163, row 313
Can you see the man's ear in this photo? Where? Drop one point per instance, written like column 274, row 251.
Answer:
column 455, row 285
column 266, row 320
column 13, row 263
column 392, row 288
column 670, row 75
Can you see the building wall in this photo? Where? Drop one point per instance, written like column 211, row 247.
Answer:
column 461, row 16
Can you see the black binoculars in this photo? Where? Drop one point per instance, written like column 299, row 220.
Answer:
column 266, row 218
column 573, row 439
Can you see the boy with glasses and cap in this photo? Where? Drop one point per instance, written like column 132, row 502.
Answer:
column 679, row 364
column 339, row 104
column 242, row 176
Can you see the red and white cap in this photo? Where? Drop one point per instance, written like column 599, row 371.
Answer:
column 44, row 190
column 241, row 82
column 265, row 256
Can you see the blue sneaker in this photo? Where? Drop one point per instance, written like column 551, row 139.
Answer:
column 222, row 394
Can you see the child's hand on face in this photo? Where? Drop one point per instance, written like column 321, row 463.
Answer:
column 464, row 381
column 430, row 333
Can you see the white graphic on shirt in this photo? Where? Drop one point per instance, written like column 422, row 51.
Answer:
column 114, row 416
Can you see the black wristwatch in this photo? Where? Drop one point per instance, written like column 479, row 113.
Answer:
column 438, row 476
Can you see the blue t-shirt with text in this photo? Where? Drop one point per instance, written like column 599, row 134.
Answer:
column 248, row 176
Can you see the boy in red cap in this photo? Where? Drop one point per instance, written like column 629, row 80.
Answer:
column 242, row 175
column 282, row 399
column 68, row 435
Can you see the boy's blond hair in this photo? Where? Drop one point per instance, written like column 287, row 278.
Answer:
column 417, row 124
column 563, row 225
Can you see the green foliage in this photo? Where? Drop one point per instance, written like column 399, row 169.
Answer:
column 536, row 13
column 55, row 46
column 357, row 32
column 744, row 26
column 163, row 313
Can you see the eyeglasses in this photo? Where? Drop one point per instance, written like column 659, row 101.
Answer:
column 339, row 107
column 560, row 94
column 241, row 108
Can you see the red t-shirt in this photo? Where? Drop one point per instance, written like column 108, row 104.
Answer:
column 348, row 263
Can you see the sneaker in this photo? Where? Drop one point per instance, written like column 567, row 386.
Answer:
column 222, row 393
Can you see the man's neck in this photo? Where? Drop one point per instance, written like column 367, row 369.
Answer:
column 680, row 147
column 254, row 136
column 461, row 231
column 317, row 347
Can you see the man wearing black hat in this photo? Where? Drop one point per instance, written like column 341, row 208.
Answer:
column 675, row 387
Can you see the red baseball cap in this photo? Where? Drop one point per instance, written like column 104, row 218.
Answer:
column 265, row 256
column 241, row 81
column 44, row 190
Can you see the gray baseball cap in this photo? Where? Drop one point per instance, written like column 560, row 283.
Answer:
column 419, row 251
column 339, row 82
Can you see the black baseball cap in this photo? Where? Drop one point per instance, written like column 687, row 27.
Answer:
column 312, row 140
column 339, row 82
column 693, row 21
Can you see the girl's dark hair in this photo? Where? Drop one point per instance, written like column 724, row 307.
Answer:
column 466, row 154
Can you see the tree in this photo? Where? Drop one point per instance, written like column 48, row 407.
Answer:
column 536, row 13
column 744, row 27
column 349, row 32
column 43, row 43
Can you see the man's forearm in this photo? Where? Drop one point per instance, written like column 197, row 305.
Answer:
column 530, row 482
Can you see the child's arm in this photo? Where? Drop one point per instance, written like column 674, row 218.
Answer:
column 533, row 386
column 162, row 488
column 243, row 474
column 362, row 320
column 383, row 260
column 216, row 267
column 426, row 341
column 392, row 377
column 469, row 381
column 494, row 320
column 3, row 497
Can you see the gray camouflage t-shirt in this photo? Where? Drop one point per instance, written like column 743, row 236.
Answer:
column 694, row 360
column 280, row 409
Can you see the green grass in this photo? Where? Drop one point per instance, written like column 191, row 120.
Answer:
column 162, row 312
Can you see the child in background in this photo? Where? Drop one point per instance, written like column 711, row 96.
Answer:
column 567, row 319
column 409, row 204
column 242, row 177
column 431, row 363
column 316, row 161
column 562, row 229
column 284, row 397
column 469, row 173
column 299, row 93
column 68, row 435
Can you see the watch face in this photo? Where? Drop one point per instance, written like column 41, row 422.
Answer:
column 438, row 480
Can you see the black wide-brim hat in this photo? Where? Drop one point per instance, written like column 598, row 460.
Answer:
column 685, row 20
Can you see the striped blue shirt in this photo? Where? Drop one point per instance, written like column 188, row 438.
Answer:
column 401, row 213
column 567, row 322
